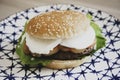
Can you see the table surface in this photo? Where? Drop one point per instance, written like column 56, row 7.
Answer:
column 9, row 7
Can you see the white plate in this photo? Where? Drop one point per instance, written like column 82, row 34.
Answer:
column 104, row 64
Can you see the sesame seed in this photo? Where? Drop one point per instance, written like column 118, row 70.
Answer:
column 48, row 30
column 50, row 33
column 30, row 27
column 51, row 24
column 48, row 18
column 35, row 30
column 56, row 32
column 37, row 24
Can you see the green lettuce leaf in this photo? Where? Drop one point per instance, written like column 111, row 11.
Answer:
column 100, row 40
column 89, row 16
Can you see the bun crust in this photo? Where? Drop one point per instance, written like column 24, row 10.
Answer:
column 64, row 64
column 58, row 24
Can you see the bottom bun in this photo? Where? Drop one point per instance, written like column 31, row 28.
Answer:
column 64, row 64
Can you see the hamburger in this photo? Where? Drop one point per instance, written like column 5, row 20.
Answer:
column 59, row 39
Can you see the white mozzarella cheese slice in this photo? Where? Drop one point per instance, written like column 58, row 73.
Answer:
column 80, row 42
column 41, row 46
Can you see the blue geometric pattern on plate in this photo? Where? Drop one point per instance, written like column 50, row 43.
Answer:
column 103, row 65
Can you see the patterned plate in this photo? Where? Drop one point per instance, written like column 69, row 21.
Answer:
column 103, row 65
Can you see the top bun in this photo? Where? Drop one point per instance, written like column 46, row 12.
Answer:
column 58, row 24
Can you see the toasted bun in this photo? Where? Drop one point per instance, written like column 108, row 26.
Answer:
column 57, row 24
column 63, row 64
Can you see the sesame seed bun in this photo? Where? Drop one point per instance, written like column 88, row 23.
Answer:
column 57, row 24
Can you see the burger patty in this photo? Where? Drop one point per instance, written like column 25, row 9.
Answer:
column 65, row 55
column 62, row 53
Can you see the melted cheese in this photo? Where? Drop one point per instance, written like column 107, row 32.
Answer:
column 41, row 46
column 82, row 41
